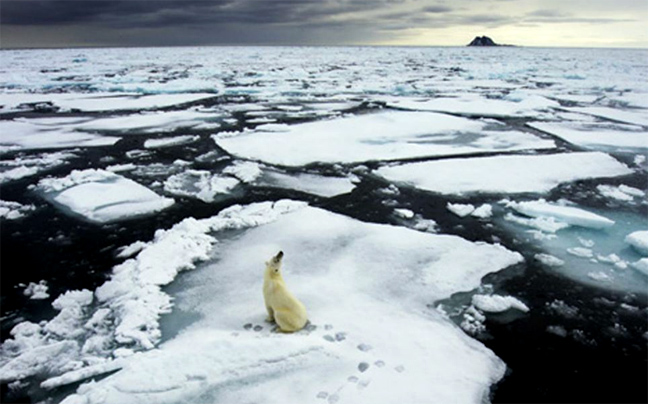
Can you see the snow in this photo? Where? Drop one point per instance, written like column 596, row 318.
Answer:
column 27, row 135
column 170, row 141
column 37, row 291
column 200, row 184
column 324, row 186
column 596, row 135
column 565, row 214
column 101, row 196
column 385, row 135
column 10, row 210
column 498, row 304
column 504, row 174
column 639, row 241
column 320, row 247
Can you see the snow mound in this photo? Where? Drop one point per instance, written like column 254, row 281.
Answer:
column 639, row 241
column 380, row 136
column 331, row 262
column 565, row 214
column 498, row 304
column 101, row 196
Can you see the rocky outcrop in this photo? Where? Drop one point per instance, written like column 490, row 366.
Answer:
column 482, row 41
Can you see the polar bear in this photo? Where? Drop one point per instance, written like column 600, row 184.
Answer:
column 283, row 308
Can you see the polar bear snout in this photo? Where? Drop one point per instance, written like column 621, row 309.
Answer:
column 278, row 257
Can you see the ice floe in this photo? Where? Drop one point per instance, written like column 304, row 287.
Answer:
column 622, row 193
column 36, row 291
column 504, row 174
column 565, row 214
column 170, row 141
column 101, row 196
column 497, row 304
column 150, row 122
column 325, row 186
column 635, row 117
column 11, row 210
column 639, row 241
column 379, row 136
column 200, row 184
column 28, row 165
column 478, row 105
column 339, row 249
column 328, row 259
column 24, row 135
column 597, row 135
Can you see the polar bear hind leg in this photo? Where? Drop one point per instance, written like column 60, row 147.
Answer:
column 287, row 321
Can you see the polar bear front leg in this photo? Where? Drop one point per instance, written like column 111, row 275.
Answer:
column 270, row 317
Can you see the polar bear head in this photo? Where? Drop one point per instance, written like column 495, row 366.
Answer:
column 273, row 266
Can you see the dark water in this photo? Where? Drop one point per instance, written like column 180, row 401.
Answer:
column 594, row 362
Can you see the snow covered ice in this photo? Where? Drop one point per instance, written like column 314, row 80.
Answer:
column 453, row 219
column 102, row 196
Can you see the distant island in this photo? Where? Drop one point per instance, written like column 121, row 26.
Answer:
column 484, row 41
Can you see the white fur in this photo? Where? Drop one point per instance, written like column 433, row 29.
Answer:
column 283, row 307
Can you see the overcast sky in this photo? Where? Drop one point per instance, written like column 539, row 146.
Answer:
column 65, row 23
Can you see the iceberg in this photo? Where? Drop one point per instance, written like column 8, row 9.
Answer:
column 379, row 136
column 504, row 174
column 101, row 196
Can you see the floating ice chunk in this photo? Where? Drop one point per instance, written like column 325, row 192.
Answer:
column 509, row 174
column 632, row 191
column 483, row 212
column 325, row 186
column 26, row 135
column 563, row 309
column 170, row 141
column 25, row 166
column 44, row 359
column 566, row 214
column 542, row 223
column 114, row 102
column 636, row 117
column 118, row 168
column 613, row 192
column 147, row 122
column 498, row 304
column 200, row 184
column 379, row 136
column 639, row 241
column 581, row 252
column 37, row 291
column 13, row 210
column 549, row 260
column 557, row 330
column 641, row 266
column 404, row 213
column 101, row 196
column 596, row 134
column 459, row 209
column 476, row 104
column 600, row 276
column 473, row 321
column 244, row 171
column 324, row 246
